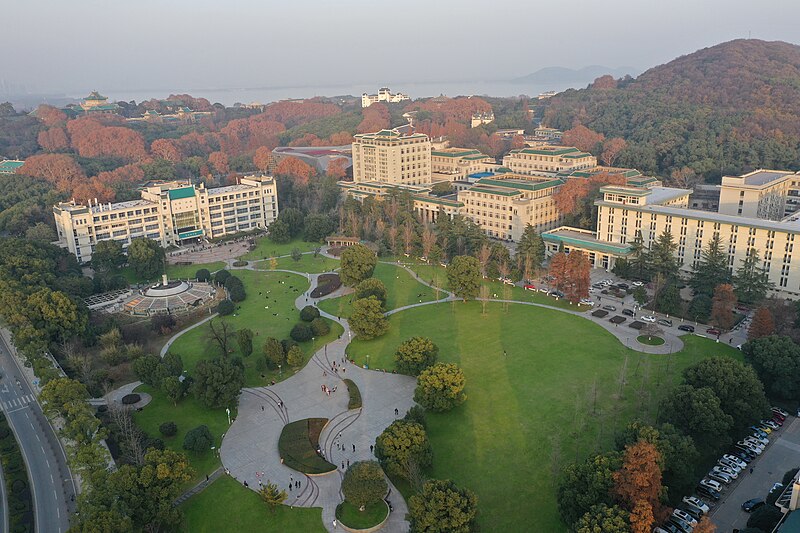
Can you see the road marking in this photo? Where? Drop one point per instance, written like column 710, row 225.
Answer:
column 790, row 445
column 37, row 437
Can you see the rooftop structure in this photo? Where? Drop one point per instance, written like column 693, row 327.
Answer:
column 384, row 95
column 10, row 166
column 453, row 164
column 318, row 157
column 97, row 103
column 479, row 119
column 387, row 156
column 759, row 194
column 548, row 160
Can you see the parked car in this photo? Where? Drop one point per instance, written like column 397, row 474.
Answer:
column 530, row 287
column 710, row 493
column 711, row 484
column 716, row 475
column 683, row 525
column 586, row 301
column 759, row 439
column 713, row 331
column 609, row 308
column 743, row 453
column 628, row 312
column 637, row 283
column 750, row 447
column 729, row 465
column 736, row 460
column 780, row 411
column 733, row 473
column 772, row 424
column 665, row 322
column 777, row 416
column 758, row 431
column 777, row 420
column 623, row 286
column 686, row 327
column 751, row 505
column 648, row 318
column 763, row 427
column 776, row 486
column 686, row 517
column 697, row 503
column 692, row 511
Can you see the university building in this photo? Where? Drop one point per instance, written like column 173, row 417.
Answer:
column 548, row 160
column 389, row 157
column 384, row 95
column 172, row 213
column 625, row 211
column 456, row 164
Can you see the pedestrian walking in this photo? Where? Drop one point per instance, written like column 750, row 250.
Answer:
column 371, row 446
column 262, row 407
column 245, row 483
column 342, row 465
column 206, row 478
column 751, row 469
column 334, row 523
column 354, row 448
column 396, row 411
column 348, row 463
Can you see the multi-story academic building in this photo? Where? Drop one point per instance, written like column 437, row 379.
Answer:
column 548, row 160
column 389, row 157
column 625, row 211
column 452, row 164
column 172, row 213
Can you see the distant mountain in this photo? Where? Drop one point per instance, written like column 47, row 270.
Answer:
column 725, row 109
column 563, row 77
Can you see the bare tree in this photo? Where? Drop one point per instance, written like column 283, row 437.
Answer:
column 130, row 436
column 221, row 334
column 428, row 241
column 483, row 296
column 415, row 475
column 81, row 364
column 484, row 254
column 651, row 330
column 408, row 235
column 528, row 269
column 506, row 296
column 392, row 233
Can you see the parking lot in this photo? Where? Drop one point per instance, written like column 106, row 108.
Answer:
column 782, row 454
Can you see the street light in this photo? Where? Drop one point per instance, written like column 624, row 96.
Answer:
column 228, row 412
column 280, row 372
column 367, row 360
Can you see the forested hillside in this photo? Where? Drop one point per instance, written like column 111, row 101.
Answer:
column 725, row 109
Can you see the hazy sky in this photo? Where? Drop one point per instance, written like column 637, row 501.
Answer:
column 75, row 46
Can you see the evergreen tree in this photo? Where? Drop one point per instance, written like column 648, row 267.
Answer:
column 531, row 247
column 662, row 256
column 752, row 280
column 670, row 301
column 712, row 270
column 640, row 258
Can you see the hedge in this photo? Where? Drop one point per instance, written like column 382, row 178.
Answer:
column 355, row 394
column 20, row 500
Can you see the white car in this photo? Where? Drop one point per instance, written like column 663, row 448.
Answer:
column 735, row 460
column 725, row 470
column 761, row 440
column 648, row 318
column 770, row 423
column 637, row 283
column 686, row 517
column 711, row 484
column 697, row 503
column 730, row 465
column 747, row 446
column 586, row 301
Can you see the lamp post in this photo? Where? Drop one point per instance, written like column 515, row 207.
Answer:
column 367, row 361
column 228, row 412
column 280, row 372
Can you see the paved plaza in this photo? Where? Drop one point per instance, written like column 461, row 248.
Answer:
column 209, row 253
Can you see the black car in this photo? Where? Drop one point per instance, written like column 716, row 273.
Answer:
column 628, row 312
column 686, row 327
column 708, row 493
column 623, row 286
column 746, row 457
column 751, row 505
column 742, row 451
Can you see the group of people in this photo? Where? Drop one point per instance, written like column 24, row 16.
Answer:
column 327, row 390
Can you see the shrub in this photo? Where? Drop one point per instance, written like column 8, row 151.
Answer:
column 295, row 357
column 240, row 263
column 18, row 486
column 440, row 387
column 198, row 439
column 415, row 355
column 235, row 289
column 326, row 284
column 371, row 287
column 168, row 429
column 226, row 307
column 261, row 363
column 309, row 313
column 162, row 323
column 355, row 394
column 221, row 277
column 364, row 483
column 202, row 275
column 320, row 327
column 130, row 399
column 301, row 332
column 417, row 414
column 288, row 344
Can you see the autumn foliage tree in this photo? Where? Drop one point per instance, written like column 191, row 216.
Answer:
column 51, row 116
column 376, row 118
column 559, row 271
column 169, row 149
column 53, row 139
column 582, row 138
column 296, row 169
column 763, row 324
column 639, row 479
column 642, row 518
column 722, row 305
column 59, row 169
column 219, row 161
column 262, row 158
column 570, row 197
column 611, row 149
column 338, row 168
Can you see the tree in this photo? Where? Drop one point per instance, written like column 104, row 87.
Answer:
column 235, row 289
column 752, row 279
column 173, row 388
column 442, row 507
column 309, row 313
column 357, row 264
column 271, row 495
column 198, row 439
column 60, row 393
column 294, row 219
column 371, row 287
column 150, row 370
column 586, row 484
column 244, row 338
column 639, row 478
column 162, row 323
column 221, row 276
column 763, row 324
column 641, row 517
column 611, row 149
column 202, row 274
column 712, row 269
column 107, row 256
column 294, row 168
column 279, row 232
column 765, row 518
column 217, row 382
column 317, row 227
column 776, row 360
column 226, row 307
column 740, row 393
column 440, row 387
column 41, row 232
column 531, row 247
column 700, row 308
column 364, row 483
column 401, row 444
column 320, row 327
column 146, row 257
column 464, row 277
column 722, row 306
column 367, row 319
column 603, row 519
column 662, row 256
column 698, row 413
column 670, row 301
column 221, row 333
column 263, row 158
column 168, row 429
column 295, row 357
column 273, row 351
column 415, row 355
column 301, row 332
column 578, row 276
column 640, row 295
column 582, row 138
column 219, row 161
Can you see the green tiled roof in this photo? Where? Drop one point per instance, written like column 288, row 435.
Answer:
column 476, row 157
column 539, row 151
column 590, row 243
column 441, row 201
column 96, row 96
column 461, row 153
column 577, row 156
column 103, row 107
column 478, row 188
column 9, row 166
column 183, row 192
column 524, row 185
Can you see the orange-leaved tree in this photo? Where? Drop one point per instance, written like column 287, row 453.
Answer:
column 53, row 139
column 559, row 271
column 763, row 324
column 296, row 169
column 578, row 273
column 639, row 479
column 642, row 518
column 722, row 305
column 582, row 138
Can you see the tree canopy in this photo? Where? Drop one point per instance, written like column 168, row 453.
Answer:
column 442, row 507
column 464, row 276
column 357, row 264
column 440, row 387
column 217, row 382
column 415, row 355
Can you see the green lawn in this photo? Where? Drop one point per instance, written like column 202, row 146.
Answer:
column 307, row 263
column 188, row 414
column 278, row 292
column 173, row 272
column 265, row 248
column 371, row 516
column 401, row 287
column 544, row 389
column 227, row 506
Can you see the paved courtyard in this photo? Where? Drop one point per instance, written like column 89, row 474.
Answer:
column 209, row 253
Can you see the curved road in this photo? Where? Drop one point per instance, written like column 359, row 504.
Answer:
column 51, row 483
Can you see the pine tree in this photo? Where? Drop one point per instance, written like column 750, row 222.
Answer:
column 763, row 324
column 531, row 247
column 752, row 280
column 640, row 258
column 712, row 269
column 662, row 256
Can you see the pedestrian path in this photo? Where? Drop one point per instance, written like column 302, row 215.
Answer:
column 199, row 487
column 17, row 403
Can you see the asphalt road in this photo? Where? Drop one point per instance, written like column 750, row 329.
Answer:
column 782, row 454
column 51, row 483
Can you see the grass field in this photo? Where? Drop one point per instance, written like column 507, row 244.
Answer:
column 265, row 248
column 227, row 506
column 372, row 515
column 269, row 314
column 307, row 263
column 298, row 445
column 188, row 414
column 402, row 289
column 544, row 389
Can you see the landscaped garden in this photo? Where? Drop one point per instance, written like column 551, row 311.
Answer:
column 650, row 340
column 544, row 389
column 311, row 263
column 265, row 248
column 298, row 446
column 372, row 515
column 401, row 288
column 227, row 506
column 269, row 311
